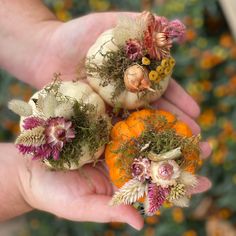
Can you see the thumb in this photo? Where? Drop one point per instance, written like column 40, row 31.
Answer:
column 203, row 185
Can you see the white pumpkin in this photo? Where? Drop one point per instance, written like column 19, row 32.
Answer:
column 126, row 99
column 79, row 91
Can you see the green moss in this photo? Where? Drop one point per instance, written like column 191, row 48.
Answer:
column 161, row 141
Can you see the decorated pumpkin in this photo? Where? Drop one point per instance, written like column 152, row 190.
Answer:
column 130, row 65
column 152, row 159
column 64, row 125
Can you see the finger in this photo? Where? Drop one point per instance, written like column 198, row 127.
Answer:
column 203, row 185
column 179, row 97
column 96, row 208
column 166, row 105
column 205, row 149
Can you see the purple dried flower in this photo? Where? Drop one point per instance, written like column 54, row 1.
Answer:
column 133, row 49
column 25, row 149
column 141, row 168
column 176, row 30
column 32, row 122
column 155, row 198
column 42, row 152
column 58, row 132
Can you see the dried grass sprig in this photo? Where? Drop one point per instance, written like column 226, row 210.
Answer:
column 129, row 193
column 19, row 107
column 33, row 137
column 129, row 28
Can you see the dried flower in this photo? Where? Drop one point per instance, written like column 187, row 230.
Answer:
column 58, row 132
column 32, row 122
column 176, row 192
column 181, row 202
column 156, row 39
column 155, row 198
column 188, row 179
column 136, row 78
column 33, row 137
column 176, row 30
column 145, row 61
column 133, row 49
column 165, row 173
column 141, row 168
column 153, row 75
column 159, row 36
column 129, row 193
column 19, row 107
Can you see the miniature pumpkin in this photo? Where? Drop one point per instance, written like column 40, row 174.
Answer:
column 134, row 45
column 152, row 153
column 65, row 125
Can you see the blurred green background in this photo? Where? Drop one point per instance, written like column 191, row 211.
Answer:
column 206, row 67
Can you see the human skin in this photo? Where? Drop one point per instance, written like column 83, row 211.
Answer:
column 34, row 45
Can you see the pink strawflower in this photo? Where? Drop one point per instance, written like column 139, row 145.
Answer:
column 133, row 49
column 58, row 131
column 155, row 198
column 176, row 30
column 32, row 122
column 141, row 168
column 159, row 36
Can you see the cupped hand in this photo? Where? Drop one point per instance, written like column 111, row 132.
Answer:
column 84, row 195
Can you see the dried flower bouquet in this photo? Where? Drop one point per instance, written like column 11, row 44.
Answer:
column 64, row 125
column 131, row 64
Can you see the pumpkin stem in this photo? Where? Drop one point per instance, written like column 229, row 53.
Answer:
column 170, row 155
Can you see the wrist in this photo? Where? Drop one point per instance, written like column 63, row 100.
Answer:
column 11, row 196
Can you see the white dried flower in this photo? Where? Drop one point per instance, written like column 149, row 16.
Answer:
column 129, row 192
column 19, row 107
column 181, row 202
column 165, row 173
column 188, row 179
column 65, row 110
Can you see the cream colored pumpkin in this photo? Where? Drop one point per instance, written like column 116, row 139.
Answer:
column 126, row 99
column 79, row 91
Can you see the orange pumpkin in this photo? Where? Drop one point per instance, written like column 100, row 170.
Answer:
column 127, row 131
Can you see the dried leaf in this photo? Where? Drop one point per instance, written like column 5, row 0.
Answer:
column 19, row 107
column 129, row 193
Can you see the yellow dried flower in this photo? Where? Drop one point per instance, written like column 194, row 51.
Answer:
column 145, row 61
column 164, row 63
column 159, row 69
column 172, row 62
column 153, row 75
column 167, row 70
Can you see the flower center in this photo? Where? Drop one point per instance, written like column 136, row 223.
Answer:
column 60, row 133
column 161, row 39
column 165, row 171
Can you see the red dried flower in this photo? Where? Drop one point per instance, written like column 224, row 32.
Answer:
column 32, row 122
column 141, row 168
column 133, row 49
